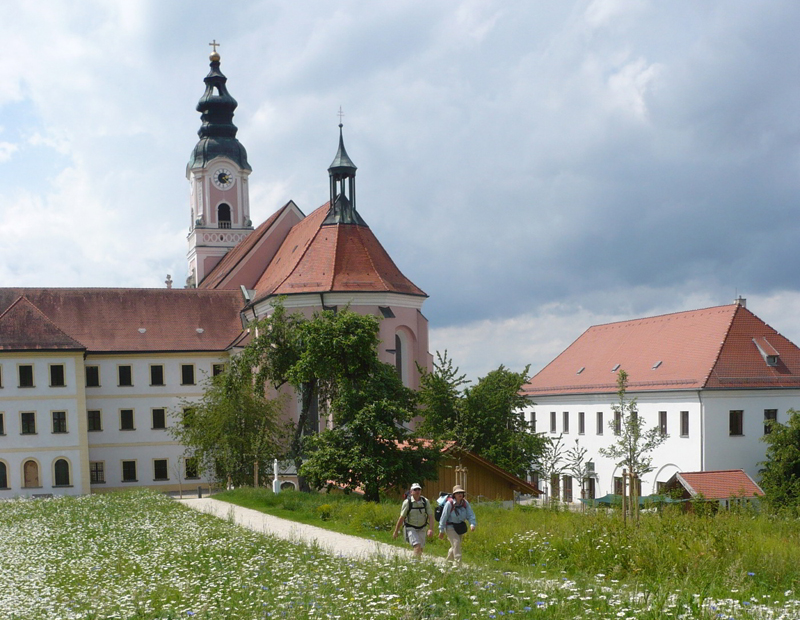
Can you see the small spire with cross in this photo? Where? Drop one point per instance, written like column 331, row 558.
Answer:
column 340, row 114
column 214, row 55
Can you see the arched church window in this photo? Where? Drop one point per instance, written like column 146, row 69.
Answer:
column 61, row 469
column 401, row 356
column 224, row 216
column 3, row 476
column 30, row 474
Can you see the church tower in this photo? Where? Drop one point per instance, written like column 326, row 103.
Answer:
column 217, row 172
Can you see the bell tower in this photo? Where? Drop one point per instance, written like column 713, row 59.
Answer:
column 217, row 172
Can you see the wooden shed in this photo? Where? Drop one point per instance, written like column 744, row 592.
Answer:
column 480, row 478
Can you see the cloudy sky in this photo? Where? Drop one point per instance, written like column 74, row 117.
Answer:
column 536, row 166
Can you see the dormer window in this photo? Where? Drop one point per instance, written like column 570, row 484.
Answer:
column 767, row 351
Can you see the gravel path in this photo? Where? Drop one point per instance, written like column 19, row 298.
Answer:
column 330, row 542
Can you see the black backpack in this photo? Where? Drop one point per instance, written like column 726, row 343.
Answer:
column 437, row 513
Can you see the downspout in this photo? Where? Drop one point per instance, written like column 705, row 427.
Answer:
column 702, row 431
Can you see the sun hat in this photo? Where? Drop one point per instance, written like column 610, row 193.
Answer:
column 458, row 489
column 416, row 486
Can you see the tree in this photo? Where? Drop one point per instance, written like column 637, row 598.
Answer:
column 576, row 464
column 780, row 476
column 233, row 431
column 549, row 462
column 487, row 418
column 369, row 447
column 331, row 360
column 634, row 444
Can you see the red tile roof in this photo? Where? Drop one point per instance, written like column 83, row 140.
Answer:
column 712, row 348
column 331, row 258
column 121, row 320
column 221, row 273
column 24, row 327
column 719, row 484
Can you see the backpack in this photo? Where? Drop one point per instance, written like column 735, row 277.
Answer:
column 423, row 508
column 437, row 513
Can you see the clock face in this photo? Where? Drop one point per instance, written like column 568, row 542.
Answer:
column 222, row 178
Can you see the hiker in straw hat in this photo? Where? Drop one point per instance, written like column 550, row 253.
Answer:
column 456, row 514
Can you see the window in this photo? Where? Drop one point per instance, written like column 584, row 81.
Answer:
column 617, row 485
column 552, row 421
column 30, row 474
column 590, row 490
column 3, row 476
column 188, row 413
column 661, row 487
column 617, row 422
column 26, row 376
column 567, row 480
column 59, row 421
column 187, row 374
column 662, row 423
column 224, row 216
column 190, row 465
column 555, row 492
column 61, row 470
column 97, row 472
column 736, row 422
column 398, row 356
column 217, row 369
column 157, row 374
column 28, row 422
column 599, row 422
column 533, row 421
column 581, row 423
column 159, row 418
column 160, row 471
column 128, row 471
column 126, row 420
column 684, row 423
column 770, row 415
column 94, row 420
column 93, row 376
column 124, row 376
column 57, row 376
column 565, row 417
column 2, row 423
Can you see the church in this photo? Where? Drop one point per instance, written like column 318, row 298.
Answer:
column 92, row 378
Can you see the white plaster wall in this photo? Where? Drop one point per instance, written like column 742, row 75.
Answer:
column 44, row 446
column 746, row 451
column 143, row 444
column 675, row 454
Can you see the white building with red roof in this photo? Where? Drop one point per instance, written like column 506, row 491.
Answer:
column 90, row 379
column 709, row 379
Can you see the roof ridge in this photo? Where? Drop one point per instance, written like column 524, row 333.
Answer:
column 661, row 316
column 305, row 249
column 372, row 262
column 722, row 346
column 250, row 240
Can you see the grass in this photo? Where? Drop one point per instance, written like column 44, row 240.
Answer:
column 141, row 555
column 741, row 552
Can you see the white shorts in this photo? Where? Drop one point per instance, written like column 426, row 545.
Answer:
column 416, row 536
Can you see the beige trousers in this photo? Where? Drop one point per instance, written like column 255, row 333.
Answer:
column 454, row 554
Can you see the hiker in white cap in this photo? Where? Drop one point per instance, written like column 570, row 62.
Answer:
column 416, row 517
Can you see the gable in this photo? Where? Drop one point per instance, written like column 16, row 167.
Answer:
column 23, row 327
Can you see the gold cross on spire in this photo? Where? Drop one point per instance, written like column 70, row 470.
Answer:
column 214, row 44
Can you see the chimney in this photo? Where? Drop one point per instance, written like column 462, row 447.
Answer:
column 740, row 301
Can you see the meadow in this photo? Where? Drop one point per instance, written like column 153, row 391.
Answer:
column 142, row 555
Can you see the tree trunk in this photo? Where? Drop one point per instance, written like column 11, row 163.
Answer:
column 308, row 393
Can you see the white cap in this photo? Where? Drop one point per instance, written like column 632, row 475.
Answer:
column 416, row 486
